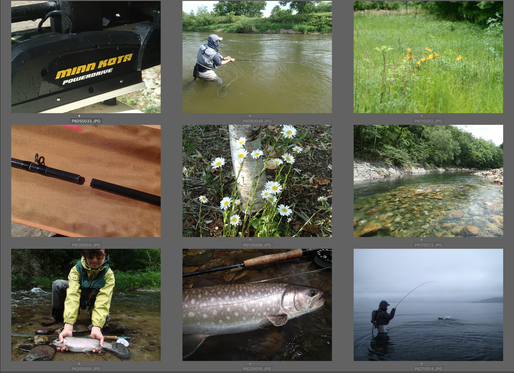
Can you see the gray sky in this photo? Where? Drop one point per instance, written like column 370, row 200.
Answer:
column 187, row 6
column 464, row 274
column 487, row 132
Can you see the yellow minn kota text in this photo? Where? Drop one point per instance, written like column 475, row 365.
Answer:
column 92, row 66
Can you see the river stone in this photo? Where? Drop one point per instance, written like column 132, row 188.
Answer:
column 373, row 211
column 497, row 219
column 40, row 353
column 367, row 230
column 470, row 230
column 438, row 197
column 456, row 214
column 198, row 260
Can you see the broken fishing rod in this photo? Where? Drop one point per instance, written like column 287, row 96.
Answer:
column 261, row 260
column 39, row 167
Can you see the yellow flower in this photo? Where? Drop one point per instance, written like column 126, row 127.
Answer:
column 431, row 57
column 408, row 50
column 435, row 54
column 419, row 63
column 459, row 58
column 406, row 56
column 435, row 17
column 428, row 50
column 423, row 59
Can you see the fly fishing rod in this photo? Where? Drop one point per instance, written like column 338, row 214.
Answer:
column 268, row 61
column 261, row 260
column 415, row 289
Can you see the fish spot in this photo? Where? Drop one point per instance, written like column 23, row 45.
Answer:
column 245, row 308
column 228, row 309
column 228, row 317
column 253, row 309
column 219, row 292
column 199, row 296
column 213, row 299
column 227, row 297
column 214, row 312
column 198, row 323
column 191, row 314
column 187, row 297
column 240, row 297
column 237, row 313
column 244, row 318
column 193, row 301
column 221, row 322
column 204, row 315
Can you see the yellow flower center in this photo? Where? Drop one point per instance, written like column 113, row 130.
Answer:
column 289, row 132
column 284, row 210
column 226, row 203
column 218, row 164
column 234, row 219
column 241, row 155
column 274, row 187
column 288, row 158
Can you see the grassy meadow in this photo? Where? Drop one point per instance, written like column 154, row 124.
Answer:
column 417, row 63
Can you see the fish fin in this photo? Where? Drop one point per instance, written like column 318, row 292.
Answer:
column 190, row 342
column 87, row 353
column 278, row 320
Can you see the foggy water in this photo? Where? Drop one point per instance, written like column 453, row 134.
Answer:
column 297, row 77
column 468, row 331
column 138, row 312
column 430, row 205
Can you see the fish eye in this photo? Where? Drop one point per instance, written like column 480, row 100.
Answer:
column 312, row 293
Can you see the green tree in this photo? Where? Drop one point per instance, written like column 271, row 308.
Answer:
column 300, row 6
column 275, row 9
column 240, row 8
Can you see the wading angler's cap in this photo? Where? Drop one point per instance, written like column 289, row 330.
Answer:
column 383, row 304
column 215, row 37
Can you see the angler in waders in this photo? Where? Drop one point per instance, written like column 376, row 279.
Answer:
column 90, row 285
column 380, row 318
column 208, row 59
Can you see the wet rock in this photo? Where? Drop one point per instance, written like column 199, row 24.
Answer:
column 373, row 211
column 438, row 197
column 367, row 230
column 27, row 347
column 198, row 260
column 497, row 219
column 40, row 353
column 456, row 214
column 470, row 230
column 40, row 340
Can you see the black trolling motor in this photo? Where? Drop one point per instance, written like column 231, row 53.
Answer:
column 92, row 52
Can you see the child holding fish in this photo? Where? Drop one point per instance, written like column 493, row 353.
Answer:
column 90, row 285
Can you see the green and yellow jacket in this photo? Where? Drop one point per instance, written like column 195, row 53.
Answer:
column 95, row 285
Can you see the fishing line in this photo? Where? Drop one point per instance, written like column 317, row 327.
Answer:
column 415, row 289
column 294, row 274
column 237, row 76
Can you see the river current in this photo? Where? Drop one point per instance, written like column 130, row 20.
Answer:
column 451, row 204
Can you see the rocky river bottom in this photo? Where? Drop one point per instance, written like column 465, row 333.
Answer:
column 458, row 206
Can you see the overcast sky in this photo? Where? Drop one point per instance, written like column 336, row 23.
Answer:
column 493, row 132
column 464, row 274
column 187, row 6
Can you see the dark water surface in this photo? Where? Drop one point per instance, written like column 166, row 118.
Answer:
column 305, row 338
column 468, row 332
column 430, row 205
column 138, row 312
column 297, row 77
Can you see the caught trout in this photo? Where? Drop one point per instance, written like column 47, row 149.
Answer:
column 89, row 344
column 227, row 309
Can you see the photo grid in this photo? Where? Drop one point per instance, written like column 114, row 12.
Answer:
column 219, row 187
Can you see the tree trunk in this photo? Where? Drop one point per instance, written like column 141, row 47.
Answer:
column 251, row 167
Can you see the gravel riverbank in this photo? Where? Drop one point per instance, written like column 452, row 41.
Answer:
column 369, row 170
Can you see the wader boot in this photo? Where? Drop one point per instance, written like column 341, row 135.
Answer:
column 57, row 317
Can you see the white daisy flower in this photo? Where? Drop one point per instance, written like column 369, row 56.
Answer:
column 289, row 131
column 284, row 210
column 272, row 199
column 274, row 187
column 203, row 199
column 321, row 199
column 225, row 202
column 218, row 162
column 241, row 141
column 288, row 158
column 241, row 154
column 277, row 161
column 237, row 202
column 256, row 154
column 297, row 149
column 266, row 193
column 234, row 220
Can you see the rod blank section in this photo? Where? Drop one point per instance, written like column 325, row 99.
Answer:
column 126, row 192
column 47, row 171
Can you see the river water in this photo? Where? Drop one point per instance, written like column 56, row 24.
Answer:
column 296, row 77
column 430, row 205
column 138, row 312
column 305, row 338
column 468, row 332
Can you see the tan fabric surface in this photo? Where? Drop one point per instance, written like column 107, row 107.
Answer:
column 128, row 155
